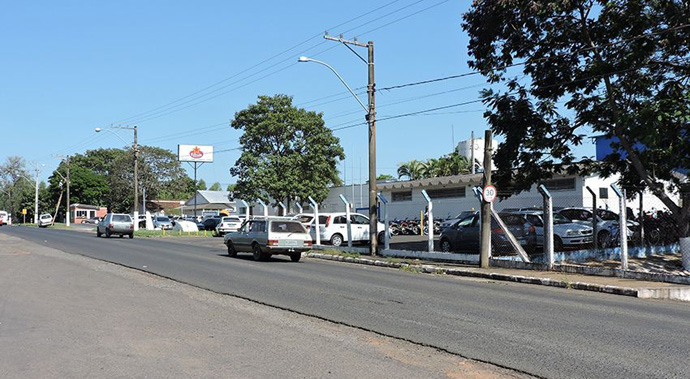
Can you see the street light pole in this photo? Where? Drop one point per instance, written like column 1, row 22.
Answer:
column 371, row 122
column 135, row 149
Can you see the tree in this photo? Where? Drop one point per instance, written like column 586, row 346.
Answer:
column 384, row 177
column 413, row 170
column 447, row 165
column 215, row 187
column 620, row 69
column 202, row 185
column 230, row 187
column 12, row 184
column 287, row 152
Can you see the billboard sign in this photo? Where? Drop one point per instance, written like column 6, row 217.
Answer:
column 194, row 153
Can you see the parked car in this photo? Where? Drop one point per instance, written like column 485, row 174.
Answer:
column 116, row 224
column 305, row 219
column 450, row 222
column 162, row 222
column 333, row 228
column 567, row 234
column 45, row 220
column 4, row 217
column 463, row 236
column 269, row 236
column 228, row 224
column 209, row 224
column 91, row 221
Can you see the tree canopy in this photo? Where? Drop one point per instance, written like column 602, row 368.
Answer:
column 287, row 152
column 215, row 187
column 617, row 69
column 447, row 165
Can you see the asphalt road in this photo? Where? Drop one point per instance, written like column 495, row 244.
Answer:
column 543, row 331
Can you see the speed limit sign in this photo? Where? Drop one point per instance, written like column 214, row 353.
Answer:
column 489, row 193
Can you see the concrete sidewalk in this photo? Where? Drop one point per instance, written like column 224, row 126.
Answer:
column 68, row 316
column 606, row 284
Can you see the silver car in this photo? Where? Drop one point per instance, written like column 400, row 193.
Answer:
column 269, row 236
column 115, row 224
column 567, row 234
column 162, row 222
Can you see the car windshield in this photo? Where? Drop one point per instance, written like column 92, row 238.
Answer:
column 45, row 216
column 560, row 219
column 162, row 219
column 607, row 215
column 287, row 227
column 512, row 219
column 121, row 218
column 231, row 219
column 306, row 218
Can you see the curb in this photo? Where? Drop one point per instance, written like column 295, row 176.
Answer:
column 681, row 293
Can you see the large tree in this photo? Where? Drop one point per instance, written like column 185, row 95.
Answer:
column 618, row 69
column 13, row 183
column 287, row 152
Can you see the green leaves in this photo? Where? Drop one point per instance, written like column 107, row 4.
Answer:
column 447, row 165
column 287, row 152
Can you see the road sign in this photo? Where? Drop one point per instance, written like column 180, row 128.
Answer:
column 24, row 211
column 489, row 193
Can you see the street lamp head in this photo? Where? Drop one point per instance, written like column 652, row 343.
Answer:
column 303, row 59
column 98, row 130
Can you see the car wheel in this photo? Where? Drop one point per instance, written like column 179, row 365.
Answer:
column 295, row 257
column 107, row 232
column 98, row 232
column 382, row 238
column 557, row 243
column 131, row 235
column 336, row 240
column 604, row 239
column 256, row 252
column 231, row 250
column 445, row 246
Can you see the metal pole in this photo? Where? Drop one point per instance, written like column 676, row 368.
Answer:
column 195, row 190
column 595, row 219
column 299, row 206
column 317, row 231
column 371, row 118
column 136, row 180
column 486, row 206
column 430, row 221
column 641, row 219
column 68, row 213
column 472, row 153
column 349, row 224
column 622, row 225
column 548, row 224
column 282, row 206
column 263, row 205
column 36, row 199
column 386, row 236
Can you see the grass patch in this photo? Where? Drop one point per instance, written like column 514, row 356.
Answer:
column 341, row 253
column 410, row 268
column 171, row 233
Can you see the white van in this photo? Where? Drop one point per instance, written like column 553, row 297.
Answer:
column 4, row 218
column 333, row 228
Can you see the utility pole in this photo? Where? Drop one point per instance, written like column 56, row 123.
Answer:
column 136, row 180
column 472, row 153
column 371, row 121
column 486, row 206
column 36, row 198
column 67, row 211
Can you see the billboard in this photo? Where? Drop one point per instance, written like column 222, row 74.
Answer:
column 194, row 153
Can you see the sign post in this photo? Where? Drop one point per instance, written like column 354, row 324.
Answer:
column 24, row 216
column 195, row 155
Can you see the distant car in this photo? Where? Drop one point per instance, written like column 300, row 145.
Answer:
column 4, row 216
column 463, row 236
column 228, row 224
column 162, row 222
column 116, row 224
column 567, row 234
column 304, row 218
column 91, row 221
column 45, row 220
column 269, row 236
column 209, row 224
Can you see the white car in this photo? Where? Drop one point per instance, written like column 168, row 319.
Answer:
column 333, row 228
column 45, row 220
column 305, row 219
column 228, row 224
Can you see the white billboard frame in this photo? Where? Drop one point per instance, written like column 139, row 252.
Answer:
column 185, row 153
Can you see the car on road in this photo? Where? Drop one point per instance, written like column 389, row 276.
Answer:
column 463, row 236
column 208, row 224
column 91, row 221
column 115, row 224
column 567, row 234
column 162, row 222
column 4, row 216
column 228, row 224
column 45, row 220
column 333, row 228
column 264, row 237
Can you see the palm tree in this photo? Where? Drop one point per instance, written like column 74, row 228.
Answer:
column 413, row 169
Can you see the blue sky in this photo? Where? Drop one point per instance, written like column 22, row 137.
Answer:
column 70, row 66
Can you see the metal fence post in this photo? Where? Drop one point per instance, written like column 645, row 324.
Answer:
column 430, row 221
column 317, row 231
column 299, row 206
column 281, row 205
column 246, row 210
column 595, row 219
column 386, row 237
column 349, row 224
column 265, row 208
column 548, row 224
column 622, row 224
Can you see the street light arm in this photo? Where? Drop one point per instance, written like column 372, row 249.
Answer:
column 116, row 135
column 304, row 59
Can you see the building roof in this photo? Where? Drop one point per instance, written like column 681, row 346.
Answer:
column 468, row 179
column 211, row 200
column 84, row 206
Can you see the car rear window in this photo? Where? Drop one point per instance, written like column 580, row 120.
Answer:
column 162, row 219
column 511, row 219
column 287, row 227
column 306, row 218
column 121, row 218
